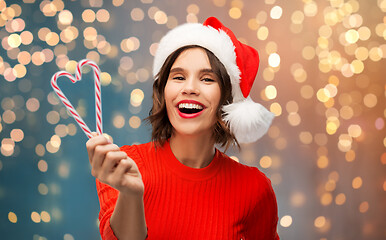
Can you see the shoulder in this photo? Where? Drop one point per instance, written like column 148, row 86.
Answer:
column 139, row 149
column 239, row 168
column 255, row 179
column 139, row 153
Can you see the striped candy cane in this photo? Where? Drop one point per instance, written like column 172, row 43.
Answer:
column 98, row 100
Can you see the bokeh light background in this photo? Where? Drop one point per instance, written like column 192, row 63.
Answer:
column 322, row 73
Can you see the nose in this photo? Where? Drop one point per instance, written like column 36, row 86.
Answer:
column 191, row 86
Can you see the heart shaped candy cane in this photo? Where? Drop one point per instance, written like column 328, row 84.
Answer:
column 98, row 100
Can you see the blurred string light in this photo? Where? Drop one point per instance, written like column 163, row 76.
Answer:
column 344, row 93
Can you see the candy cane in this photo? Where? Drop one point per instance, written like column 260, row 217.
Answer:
column 98, row 99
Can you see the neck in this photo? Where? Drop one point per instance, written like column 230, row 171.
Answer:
column 194, row 152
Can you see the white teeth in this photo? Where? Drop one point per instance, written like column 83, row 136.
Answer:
column 190, row 106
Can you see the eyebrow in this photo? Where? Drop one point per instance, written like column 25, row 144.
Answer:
column 179, row 69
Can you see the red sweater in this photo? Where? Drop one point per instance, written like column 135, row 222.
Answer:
column 225, row 200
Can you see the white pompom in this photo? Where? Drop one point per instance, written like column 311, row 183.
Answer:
column 248, row 120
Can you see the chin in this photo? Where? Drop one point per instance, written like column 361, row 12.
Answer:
column 193, row 126
column 191, row 130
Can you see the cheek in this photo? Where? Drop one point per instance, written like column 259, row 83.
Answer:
column 169, row 95
column 172, row 89
column 167, row 91
column 216, row 96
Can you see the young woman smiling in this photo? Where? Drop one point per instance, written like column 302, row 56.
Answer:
column 179, row 186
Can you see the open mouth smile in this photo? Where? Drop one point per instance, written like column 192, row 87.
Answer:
column 190, row 108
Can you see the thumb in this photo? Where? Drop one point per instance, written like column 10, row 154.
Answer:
column 108, row 138
column 94, row 134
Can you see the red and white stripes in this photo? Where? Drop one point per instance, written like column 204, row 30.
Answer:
column 98, row 99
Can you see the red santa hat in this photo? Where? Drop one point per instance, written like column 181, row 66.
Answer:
column 248, row 120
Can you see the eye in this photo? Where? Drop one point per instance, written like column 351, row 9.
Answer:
column 208, row 80
column 178, row 78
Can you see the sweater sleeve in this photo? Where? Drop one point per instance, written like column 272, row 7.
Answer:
column 108, row 197
column 262, row 221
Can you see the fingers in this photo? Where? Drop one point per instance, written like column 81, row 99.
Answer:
column 124, row 166
column 93, row 142
column 112, row 166
column 100, row 155
column 117, row 177
column 110, row 163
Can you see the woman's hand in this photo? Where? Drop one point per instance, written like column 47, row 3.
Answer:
column 113, row 167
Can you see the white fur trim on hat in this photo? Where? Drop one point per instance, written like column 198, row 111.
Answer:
column 216, row 41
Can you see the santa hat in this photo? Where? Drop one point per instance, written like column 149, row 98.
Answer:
column 248, row 120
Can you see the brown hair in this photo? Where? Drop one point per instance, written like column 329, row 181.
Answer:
column 162, row 128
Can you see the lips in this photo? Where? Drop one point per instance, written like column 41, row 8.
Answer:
column 190, row 108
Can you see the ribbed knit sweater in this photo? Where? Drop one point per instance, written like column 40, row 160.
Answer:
column 225, row 200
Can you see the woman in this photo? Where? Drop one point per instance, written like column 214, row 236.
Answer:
column 179, row 186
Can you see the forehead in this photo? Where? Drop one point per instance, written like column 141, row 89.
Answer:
column 192, row 59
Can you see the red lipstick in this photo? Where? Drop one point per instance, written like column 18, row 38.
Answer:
column 190, row 115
